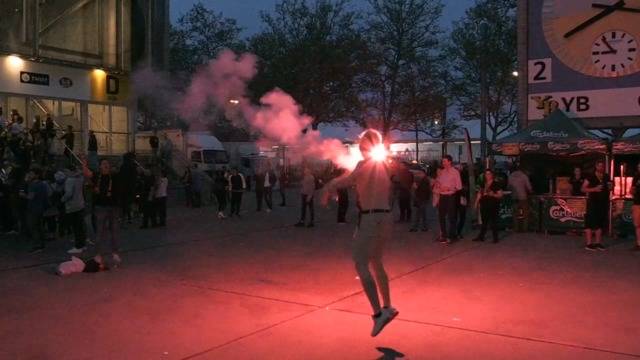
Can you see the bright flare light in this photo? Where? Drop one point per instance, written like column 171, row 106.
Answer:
column 379, row 153
column 234, row 102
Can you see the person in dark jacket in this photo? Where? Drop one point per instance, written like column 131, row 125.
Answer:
column 105, row 209
column 283, row 181
column 237, row 186
column 127, row 194
column 147, row 196
column 69, row 141
column 343, row 197
column 154, row 143
column 265, row 181
column 576, row 181
column 48, row 135
column 92, row 151
column 463, row 200
column 488, row 200
column 421, row 199
column 220, row 187
column 403, row 180
column 37, row 196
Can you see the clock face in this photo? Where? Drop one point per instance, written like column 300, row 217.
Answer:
column 574, row 28
column 613, row 52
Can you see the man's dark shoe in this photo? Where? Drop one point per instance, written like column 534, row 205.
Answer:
column 478, row 239
column 591, row 247
column 413, row 230
column 299, row 224
column 600, row 247
column 310, row 225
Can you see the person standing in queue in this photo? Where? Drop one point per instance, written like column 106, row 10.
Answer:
column 597, row 188
column 372, row 181
column 489, row 201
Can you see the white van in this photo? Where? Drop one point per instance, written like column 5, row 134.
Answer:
column 189, row 148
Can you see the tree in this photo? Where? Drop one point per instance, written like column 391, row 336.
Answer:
column 403, row 39
column 313, row 51
column 483, row 56
column 422, row 105
column 198, row 36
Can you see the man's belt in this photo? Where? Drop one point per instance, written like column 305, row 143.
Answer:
column 374, row 211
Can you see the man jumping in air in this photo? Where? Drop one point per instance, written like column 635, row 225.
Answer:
column 372, row 181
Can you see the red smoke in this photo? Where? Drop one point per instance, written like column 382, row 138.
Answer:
column 277, row 118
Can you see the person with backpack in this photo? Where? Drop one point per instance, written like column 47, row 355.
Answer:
column 421, row 198
column 309, row 185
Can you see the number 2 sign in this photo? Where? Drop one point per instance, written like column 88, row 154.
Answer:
column 540, row 71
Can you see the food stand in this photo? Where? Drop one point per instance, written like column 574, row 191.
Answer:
column 554, row 142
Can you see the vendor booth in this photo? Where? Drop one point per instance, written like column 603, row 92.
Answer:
column 625, row 153
column 549, row 149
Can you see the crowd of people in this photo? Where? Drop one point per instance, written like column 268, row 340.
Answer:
column 445, row 187
column 44, row 198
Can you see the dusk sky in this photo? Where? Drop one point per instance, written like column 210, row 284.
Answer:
column 246, row 12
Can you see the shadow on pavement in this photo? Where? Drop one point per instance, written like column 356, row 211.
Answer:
column 389, row 353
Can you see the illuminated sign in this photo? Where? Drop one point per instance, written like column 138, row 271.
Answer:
column 34, row 78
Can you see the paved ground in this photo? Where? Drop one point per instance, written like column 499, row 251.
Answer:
column 258, row 288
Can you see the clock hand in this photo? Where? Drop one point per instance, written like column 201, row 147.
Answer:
column 624, row 8
column 611, row 49
column 604, row 13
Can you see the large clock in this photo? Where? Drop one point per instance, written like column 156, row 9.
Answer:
column 594, row 37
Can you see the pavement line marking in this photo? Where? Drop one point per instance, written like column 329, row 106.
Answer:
column 400, row 276
column 216, row 347
column 318, row 307
column 187, row 283
column 203, row 287
column 484, row 332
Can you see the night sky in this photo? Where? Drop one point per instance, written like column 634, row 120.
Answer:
column 246, row 12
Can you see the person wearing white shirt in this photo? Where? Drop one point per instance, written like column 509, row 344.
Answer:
column 161, row 198
column 448, row 184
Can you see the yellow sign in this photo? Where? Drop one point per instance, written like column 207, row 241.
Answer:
column 108, row 88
